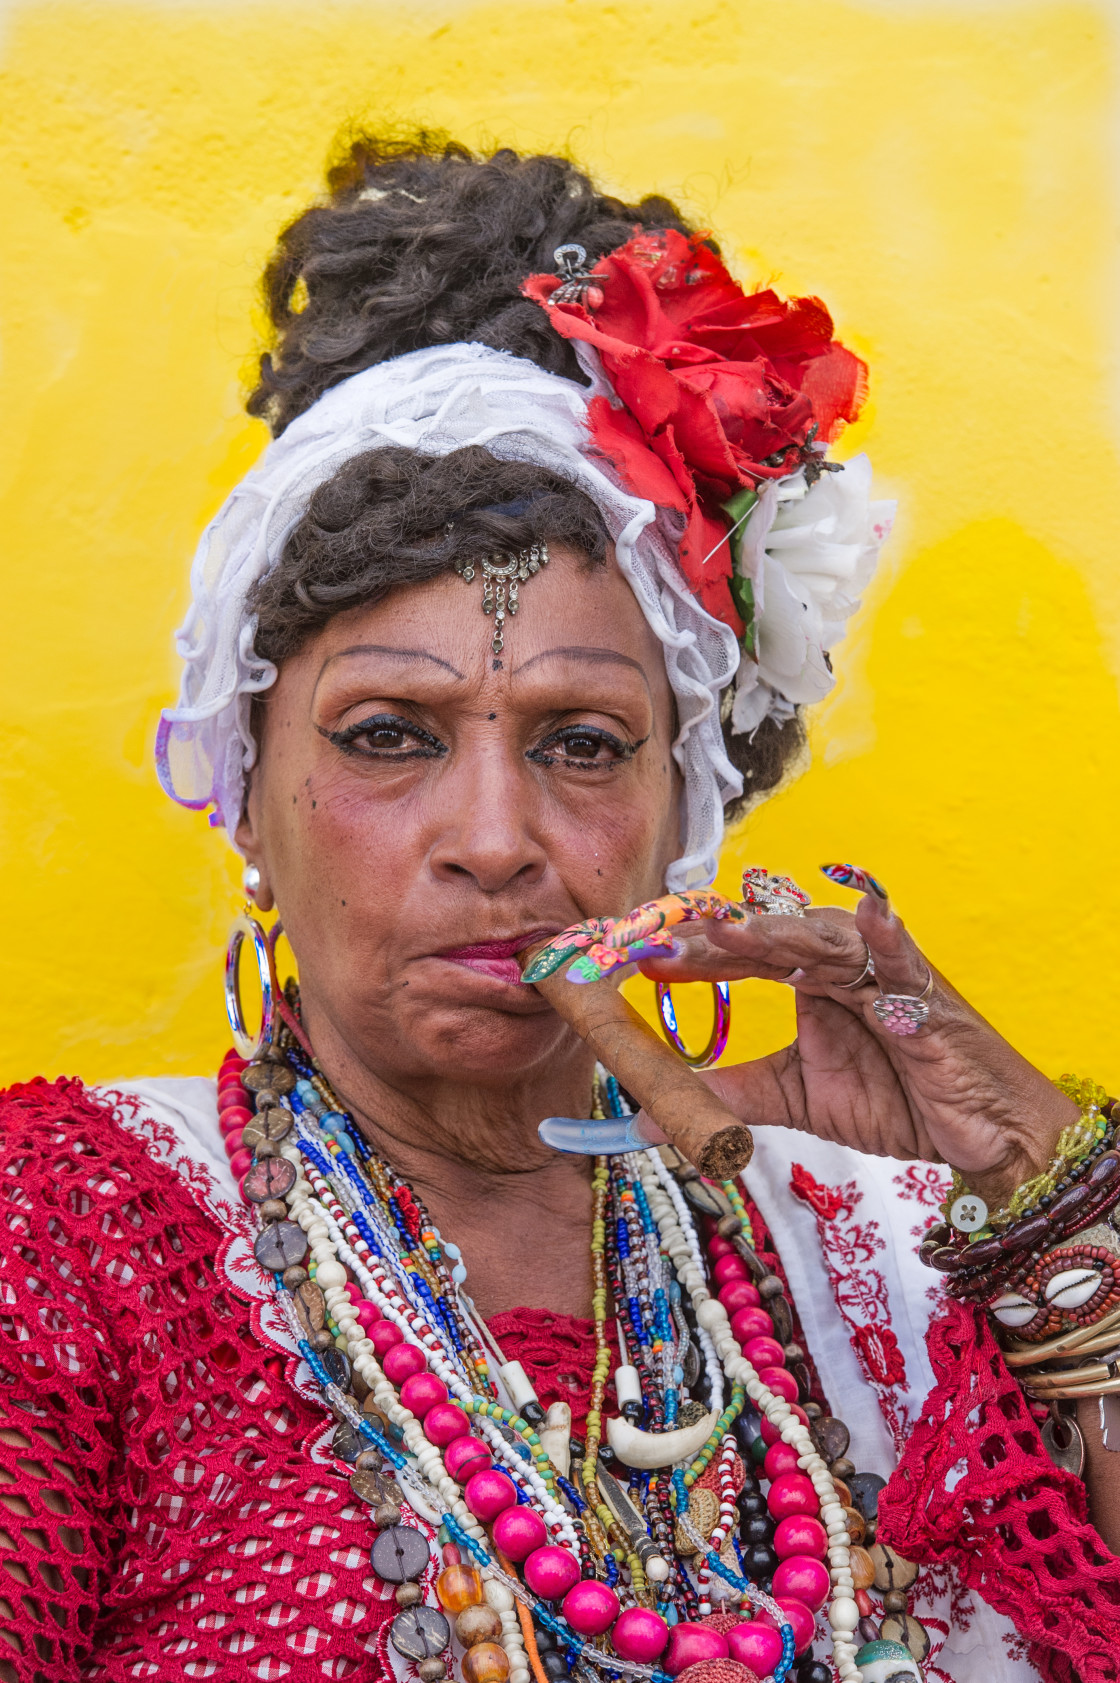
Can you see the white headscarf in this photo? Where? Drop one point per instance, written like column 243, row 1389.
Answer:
column 438, row 400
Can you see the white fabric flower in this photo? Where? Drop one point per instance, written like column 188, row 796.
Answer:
column 811, row 553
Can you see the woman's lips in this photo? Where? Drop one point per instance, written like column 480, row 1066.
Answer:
column 500, row 969
column 496, row 958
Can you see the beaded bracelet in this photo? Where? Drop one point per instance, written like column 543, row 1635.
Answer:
column 979, row 1270
column 1074, row 1145
column 978, row 1259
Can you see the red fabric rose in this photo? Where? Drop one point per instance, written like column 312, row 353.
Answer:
column 721, row 388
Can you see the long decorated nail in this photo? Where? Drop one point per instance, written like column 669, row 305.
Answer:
column 600, row 960
column 560, row 949
column 851, row 876
column 646, row 921
column 600, row 945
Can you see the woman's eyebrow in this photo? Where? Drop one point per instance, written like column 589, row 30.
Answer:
column 394, row 652
column 596, row 656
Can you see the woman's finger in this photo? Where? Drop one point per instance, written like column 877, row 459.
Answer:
column 823, row 949
column 899, row 962
column 699, row 960
column 909, row 989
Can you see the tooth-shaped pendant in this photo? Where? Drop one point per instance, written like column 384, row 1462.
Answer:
column 659, row 1449
column 556, row 1437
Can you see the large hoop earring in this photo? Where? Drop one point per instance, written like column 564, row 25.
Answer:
column 721, row 1028
column 246, row 928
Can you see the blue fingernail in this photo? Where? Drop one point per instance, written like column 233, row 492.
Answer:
column 853, row 876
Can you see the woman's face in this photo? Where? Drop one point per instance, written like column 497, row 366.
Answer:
column 421, row 809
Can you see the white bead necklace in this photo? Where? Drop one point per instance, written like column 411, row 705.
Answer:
column 324, row 1209
column 712, row 1317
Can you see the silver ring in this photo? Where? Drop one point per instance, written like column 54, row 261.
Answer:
column 867, row 974
column 904, row 1013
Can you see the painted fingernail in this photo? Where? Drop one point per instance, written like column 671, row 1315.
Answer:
column 556, row 952
column 598, row 961
column 548, row 960
column 852, row 876
column 657, row 946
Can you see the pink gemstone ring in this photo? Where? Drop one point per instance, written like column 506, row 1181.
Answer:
column 904, row 1013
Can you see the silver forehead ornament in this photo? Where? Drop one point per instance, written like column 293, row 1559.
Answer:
column 501, row 576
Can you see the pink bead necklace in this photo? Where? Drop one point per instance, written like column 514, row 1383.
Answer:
column 540, row 1573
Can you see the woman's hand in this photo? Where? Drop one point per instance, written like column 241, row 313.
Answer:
column 952, row 1091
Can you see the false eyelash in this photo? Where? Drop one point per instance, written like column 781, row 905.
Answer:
column 345, row 740
column 624, row 750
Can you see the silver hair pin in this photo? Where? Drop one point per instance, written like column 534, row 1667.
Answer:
column 500, row 579
column 575, row 278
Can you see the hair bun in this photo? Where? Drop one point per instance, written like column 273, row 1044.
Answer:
column 422, row 242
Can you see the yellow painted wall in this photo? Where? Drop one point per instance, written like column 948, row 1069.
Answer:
column 943, row 176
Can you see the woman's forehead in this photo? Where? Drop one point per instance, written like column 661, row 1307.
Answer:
column 590, row 674
column 571, row 617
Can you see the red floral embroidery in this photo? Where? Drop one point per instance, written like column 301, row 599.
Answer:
column 974, row 1490
column 927, row 1185
column 879, row 1355
column 824, row 1201
column 859, row 1289
column 861, row 1296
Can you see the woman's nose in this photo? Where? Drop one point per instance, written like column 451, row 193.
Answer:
column 485, row 823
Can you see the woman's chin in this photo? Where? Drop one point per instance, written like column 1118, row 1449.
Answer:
column 456, row 1024
column 479, row 1047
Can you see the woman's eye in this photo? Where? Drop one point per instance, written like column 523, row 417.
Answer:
column 386, row 738
column 583, row 746
column 383, row 736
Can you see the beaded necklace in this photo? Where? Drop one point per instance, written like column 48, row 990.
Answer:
column 595, row 1558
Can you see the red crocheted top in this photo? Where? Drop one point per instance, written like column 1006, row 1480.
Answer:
column 166, row 1517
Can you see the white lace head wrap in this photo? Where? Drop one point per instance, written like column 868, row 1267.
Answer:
column 436, row 401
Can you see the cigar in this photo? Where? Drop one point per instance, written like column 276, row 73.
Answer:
column 687, row 1112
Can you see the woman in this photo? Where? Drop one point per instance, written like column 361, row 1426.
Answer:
column 340, row 1369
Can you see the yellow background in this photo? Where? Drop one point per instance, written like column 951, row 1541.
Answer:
column 943, row 177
